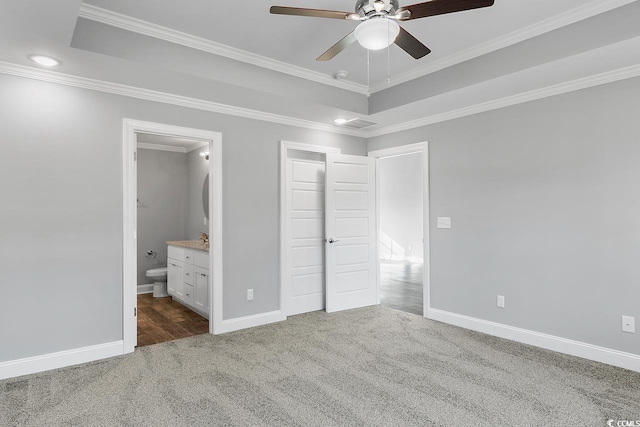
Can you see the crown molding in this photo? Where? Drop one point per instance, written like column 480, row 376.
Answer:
column 139, row 26
column 558, row 89
column 167, row 98
column 160, row 147
column 172, row 148
column 585, row 11
column 196, row 146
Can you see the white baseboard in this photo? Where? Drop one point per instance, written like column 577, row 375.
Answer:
column 550, row 342
column 250, row 321
column 145, row 289
column 61, row 359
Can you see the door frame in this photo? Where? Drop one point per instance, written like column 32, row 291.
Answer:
column 418, row 148
column 285, row 262
column 129, row 230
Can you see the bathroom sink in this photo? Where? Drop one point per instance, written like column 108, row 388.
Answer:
column 190, row 244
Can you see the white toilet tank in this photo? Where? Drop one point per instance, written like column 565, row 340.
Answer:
column 157, row 274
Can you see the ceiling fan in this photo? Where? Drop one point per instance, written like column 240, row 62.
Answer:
column 378, row 27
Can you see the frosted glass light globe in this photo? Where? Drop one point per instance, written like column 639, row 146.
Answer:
column 377, row 33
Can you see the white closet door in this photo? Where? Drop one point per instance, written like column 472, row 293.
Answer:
column 305, row 206
column 350, row 232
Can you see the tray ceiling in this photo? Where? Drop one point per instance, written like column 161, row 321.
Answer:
column 297, row 41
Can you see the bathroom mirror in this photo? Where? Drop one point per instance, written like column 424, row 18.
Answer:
column 205, row 196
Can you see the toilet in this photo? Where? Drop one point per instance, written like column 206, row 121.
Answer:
column 159, row 277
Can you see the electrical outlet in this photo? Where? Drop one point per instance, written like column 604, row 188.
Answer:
column 501, row 301
column 629, row 324
column 249, row 294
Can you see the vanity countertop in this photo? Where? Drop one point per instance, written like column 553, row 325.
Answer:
column 198, row 245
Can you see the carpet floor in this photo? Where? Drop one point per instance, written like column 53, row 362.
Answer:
column 367, row 367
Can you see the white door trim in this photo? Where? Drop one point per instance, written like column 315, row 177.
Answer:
column 284, row 234
column 423, row 148
column 129, row 229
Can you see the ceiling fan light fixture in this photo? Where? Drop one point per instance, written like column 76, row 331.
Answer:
column 376, row 34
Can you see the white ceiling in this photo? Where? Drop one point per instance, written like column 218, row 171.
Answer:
column 247, row 25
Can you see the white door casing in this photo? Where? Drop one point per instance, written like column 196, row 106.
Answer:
column 129, row 230
column 422, row 148
column 350, row 244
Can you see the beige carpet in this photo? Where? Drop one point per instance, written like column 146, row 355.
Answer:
column 365, row 367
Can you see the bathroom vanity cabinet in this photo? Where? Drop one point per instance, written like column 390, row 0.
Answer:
column 188, row 277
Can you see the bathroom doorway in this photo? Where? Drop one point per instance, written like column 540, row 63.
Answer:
column 172, row 230
column 172, row 206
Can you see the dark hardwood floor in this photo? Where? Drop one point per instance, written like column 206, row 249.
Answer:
column 401, row 286
column 162, row 319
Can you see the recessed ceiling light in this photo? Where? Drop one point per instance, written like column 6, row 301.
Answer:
column 46, row 61
column 343, row 122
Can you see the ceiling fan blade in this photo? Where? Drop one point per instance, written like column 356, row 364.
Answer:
column 318, row 13
column 441, row 7
column 411, row 45
column 338, row 47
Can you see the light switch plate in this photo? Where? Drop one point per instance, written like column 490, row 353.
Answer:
column 500, row 301
column 249, row 294
column 443, row 222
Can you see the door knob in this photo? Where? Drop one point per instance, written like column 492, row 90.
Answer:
column 332, row 240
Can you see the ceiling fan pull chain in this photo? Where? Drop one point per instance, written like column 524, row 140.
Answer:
column 388, row 54
column 368, row 75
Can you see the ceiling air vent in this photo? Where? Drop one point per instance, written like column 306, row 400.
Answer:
column 356, row 124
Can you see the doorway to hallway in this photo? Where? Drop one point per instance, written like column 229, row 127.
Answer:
column 401, row 256
column 402, row 212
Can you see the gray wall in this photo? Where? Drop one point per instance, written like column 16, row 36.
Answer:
column 401, row 202
column 61, row 217
column 162, row 205
column 543, row 196
column 198, row 168
column 545, row 200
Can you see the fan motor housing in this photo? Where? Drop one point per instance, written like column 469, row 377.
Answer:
column 365, row 8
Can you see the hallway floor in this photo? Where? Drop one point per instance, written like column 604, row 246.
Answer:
column 162, row 319
column 401, row 286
